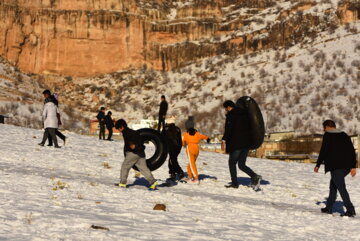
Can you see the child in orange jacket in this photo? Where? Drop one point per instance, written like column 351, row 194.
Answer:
column 191, row 138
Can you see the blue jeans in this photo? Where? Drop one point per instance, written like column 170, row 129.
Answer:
column 239, row 157
column 337, row 182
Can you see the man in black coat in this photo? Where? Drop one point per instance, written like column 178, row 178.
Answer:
column 101, row 118
column 134, row 150
column 338, row 154
column 109, row 125
column 162, row 112
column 173, row 138
column 236, row 141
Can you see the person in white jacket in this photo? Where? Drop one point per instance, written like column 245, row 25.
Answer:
column 50, row 119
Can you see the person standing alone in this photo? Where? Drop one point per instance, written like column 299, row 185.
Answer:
column 338, row 154
column 236, row 141
column 162, row 112
column 101, row 118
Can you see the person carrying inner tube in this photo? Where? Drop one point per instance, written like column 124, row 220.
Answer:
column 134, row 150
column 191, row 140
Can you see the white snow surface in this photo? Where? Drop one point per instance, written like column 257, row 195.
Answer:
column 286, row 208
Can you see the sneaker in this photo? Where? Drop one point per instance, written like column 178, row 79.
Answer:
column 41, row 144
column 121, row 185
column 65, row 139
column 195, row 181
column 231, row 185
column 326, row 210
column 153, row 186
column 348, row 213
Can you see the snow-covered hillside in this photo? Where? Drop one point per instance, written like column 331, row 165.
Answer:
column 297, row 88
column 58, row 194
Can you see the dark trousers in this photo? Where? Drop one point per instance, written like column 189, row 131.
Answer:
column 174, row 167
column 59, row 134
column 161, row 122
column 337, row 183
column 110, row 133
column 102, row 132
column 239, row 157
column 50, row 132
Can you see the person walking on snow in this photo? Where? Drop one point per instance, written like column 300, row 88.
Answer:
column 162, row 112
column 172, row 135
column 101, row 118
column 236, row 141
column 54, row 98
column 109, row 125
column 338, row 154
column 134, row 150
column 191, row 140
column 50, row 119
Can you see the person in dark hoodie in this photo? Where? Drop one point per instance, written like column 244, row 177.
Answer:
column 162, row 112
column 134, row 150
column 172, row 135
column 189, row 123
column 101, row 118
column 236, row 141
column 338, row 154
column 109, row 125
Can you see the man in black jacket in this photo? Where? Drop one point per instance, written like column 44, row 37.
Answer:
column 101, row 118
column 338, row 154
column 162, row 112
column 236, row 141
column 134, row 150
column 173, row 138
column 109, row 125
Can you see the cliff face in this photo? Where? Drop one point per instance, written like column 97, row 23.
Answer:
column 91, row 37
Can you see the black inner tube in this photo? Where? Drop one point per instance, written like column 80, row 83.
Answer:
column 161, row 148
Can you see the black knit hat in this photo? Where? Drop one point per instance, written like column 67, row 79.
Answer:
column 48, row 92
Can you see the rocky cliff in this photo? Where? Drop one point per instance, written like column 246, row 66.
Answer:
column 92, row 37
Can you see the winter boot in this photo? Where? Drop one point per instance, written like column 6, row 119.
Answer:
column 181, row 175
column 255, row 181
column 231, row 185
column 349, row 213
column 326, row 210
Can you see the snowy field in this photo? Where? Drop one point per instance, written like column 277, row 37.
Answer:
column 50, row 194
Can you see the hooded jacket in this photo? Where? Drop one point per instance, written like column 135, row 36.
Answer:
column 337, row 151
column 49, row 115
column 133, row 137
column 237, row 133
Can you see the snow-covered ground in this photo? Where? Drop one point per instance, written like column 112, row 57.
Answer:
column 50, row 194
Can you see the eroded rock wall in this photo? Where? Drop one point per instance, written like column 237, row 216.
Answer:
column 92, row 37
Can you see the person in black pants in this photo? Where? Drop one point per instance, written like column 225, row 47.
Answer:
column 162, row 112
column 338, row 154
column 109, row 125
column 101, row 118
column 236, row 141
column 172, row 134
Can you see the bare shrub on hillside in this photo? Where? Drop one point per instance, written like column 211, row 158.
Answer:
column 356, row 63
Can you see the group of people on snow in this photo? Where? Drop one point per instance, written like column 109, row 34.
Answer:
column 105, row 121
column 337, row 151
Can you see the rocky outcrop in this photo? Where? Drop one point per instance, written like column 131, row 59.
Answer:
column 92, row 37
